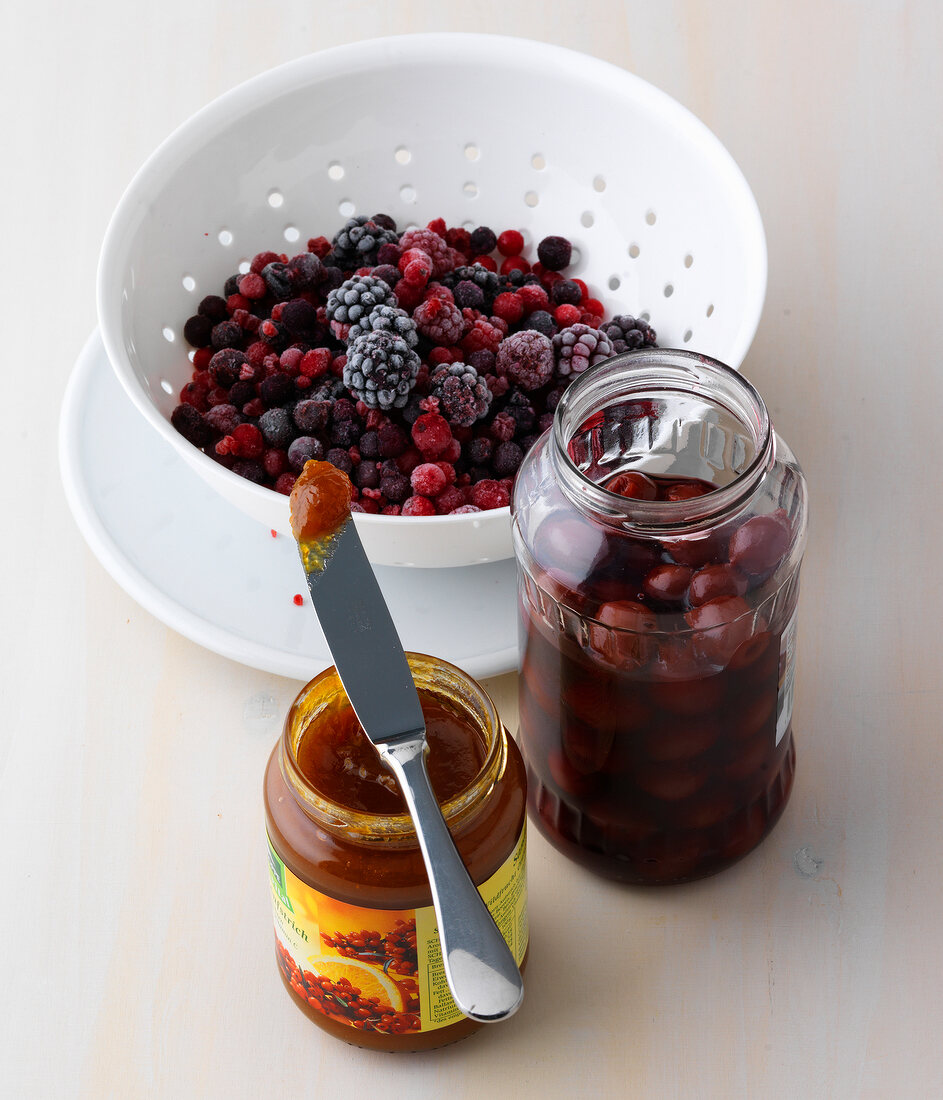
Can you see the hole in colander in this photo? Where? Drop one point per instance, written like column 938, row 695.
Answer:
column 346, row 208
column 189, row 283
column 710, row 310
column 470, row 189
column 650, row 218
column 471, row 152
column 575, row 256
column 634, row 251
column 407, row 193
column 244, row 266
column 403, row 155
column 599, row 183
column 687, row 336
column 645, row 315
column 469, row 225
column 224, row 237
column 614, row 282
column 275, row 198
column 538, row 161
column 168, row 334
column 669, row 290
column 531, row 198
column 191, row 354
column 292, row 233
column 586, row 218
column 688, row 260
column 166, row 386
column 335, row 171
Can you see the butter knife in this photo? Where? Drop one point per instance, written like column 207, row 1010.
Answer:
column 479, row 966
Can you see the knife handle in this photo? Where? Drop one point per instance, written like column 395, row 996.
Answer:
column 479, row 967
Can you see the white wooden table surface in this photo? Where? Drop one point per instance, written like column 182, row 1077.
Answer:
column 136, row 951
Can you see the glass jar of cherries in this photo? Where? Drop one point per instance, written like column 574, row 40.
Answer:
column 659, row 527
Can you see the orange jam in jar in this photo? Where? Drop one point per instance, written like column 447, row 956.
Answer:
column 356, row 942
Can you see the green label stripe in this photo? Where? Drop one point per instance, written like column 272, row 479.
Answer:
column 277, row 871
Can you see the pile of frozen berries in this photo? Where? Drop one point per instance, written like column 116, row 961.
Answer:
column 424, row 364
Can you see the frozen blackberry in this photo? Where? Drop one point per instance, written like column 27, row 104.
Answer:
column 381, row 369
column 554, row 253
column 627, row 333
column 276, row 427
column 526, row 358
column 487, row 281
column 578, row 347
column 386, row 319
column 356, row 298
column 358, row 242
column 463, row 396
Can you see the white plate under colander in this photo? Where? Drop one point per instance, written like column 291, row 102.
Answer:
column 478, row 129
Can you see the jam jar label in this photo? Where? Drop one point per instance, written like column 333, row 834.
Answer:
column 381, row 969
column 787, row 677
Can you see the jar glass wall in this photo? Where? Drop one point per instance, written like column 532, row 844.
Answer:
column 356, row 943
column 657, row 617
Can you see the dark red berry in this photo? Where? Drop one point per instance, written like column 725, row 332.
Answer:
column 554, row 253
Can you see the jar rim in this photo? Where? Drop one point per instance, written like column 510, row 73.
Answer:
column 633, row 373
column 435, row 676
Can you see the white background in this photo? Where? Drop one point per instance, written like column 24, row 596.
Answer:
column 136, row 938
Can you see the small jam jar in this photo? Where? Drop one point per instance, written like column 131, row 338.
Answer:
column 356, row 939
column 659, row 527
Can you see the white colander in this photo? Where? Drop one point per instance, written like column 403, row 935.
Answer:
column 478, row 129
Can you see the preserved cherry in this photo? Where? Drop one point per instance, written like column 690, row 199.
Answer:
column 658, row 656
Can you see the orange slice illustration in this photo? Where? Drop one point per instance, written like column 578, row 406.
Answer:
column 370, row 980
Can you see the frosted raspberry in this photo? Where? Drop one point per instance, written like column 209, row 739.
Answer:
column 481, row 334
column 439, row 321
column 526, row 358
column 433, row 245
